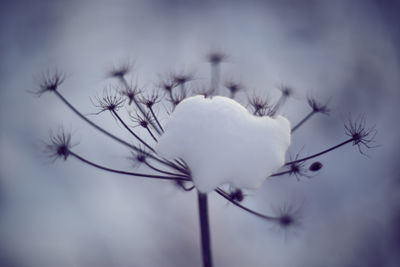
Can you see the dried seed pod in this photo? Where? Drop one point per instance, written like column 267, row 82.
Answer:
column 316, row 166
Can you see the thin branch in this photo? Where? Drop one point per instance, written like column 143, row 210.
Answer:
column 131, row 132
column 286, row 92
column 320, row 153
column 184, row 166
column 152, row 135
column 280, row 173
column 162, row 171
column 125, row 172
column 138, row 105
column 119, row 140
column 95, row 125
column 188, row 189
column 227, row 197
column 156, row 119
column 309, row 115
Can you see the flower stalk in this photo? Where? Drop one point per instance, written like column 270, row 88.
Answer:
column 204, row 229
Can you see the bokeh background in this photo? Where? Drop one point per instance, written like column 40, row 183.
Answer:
column 68, row 214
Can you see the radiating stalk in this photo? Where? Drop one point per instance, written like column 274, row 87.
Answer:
column 309, row 115
column 214, row 78
column 139, row 106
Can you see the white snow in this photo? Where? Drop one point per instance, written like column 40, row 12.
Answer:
column 222, row 142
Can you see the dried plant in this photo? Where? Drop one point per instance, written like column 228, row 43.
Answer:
column 176, row 170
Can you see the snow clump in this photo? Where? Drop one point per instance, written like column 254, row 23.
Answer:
column 222, row 142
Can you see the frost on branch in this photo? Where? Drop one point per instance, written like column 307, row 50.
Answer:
column 222, row 142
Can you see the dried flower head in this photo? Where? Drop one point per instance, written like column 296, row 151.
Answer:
column 130, row 92
column 138, row 156
column 50, row 82
column 297, row 168
column 110, row 101
column 119, row 71
column 167, row 84
column 216, row 57
column 233, row 87
column 182, row 78
column 289, row 215
column 142, row 120
column 286, row 91
column 362, row 136
column 236, row 195
column 59, row 145
column 260, row 105
column 318, row 107
column 150, row 99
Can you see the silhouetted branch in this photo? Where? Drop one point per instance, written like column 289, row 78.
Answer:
column 204, row 230
column 180, row 178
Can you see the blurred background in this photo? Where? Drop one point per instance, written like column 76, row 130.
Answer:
column 69, row 214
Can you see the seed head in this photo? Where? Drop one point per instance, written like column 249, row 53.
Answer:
column 59, row 145
column 50, row 82
column 130, row 93
column 316, row 166
column 110, row 101
column 142, row 120
column 167, row 84
column 233, row 87
column 289, row 215
column 298, row 169
column 150, row 99
column 216, row 57
column 362, row 136
column 182, row 78
column 121, row 70
column 259, row 105
column 318, row 107
column 139, row 156
column 236, row 195
column 286, row 90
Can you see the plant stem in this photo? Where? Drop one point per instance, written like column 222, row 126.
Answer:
column 69, row 105
column 177, row 177
column 320, row 153
column 152, row 135
column 276, row 107
column 61, row 97
column 130, row 131
column 227, row 197
column 280, row 173
column 162, row 171
column 214, row 78
column 155, row 117
column 309, row 115
column 204, row 230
